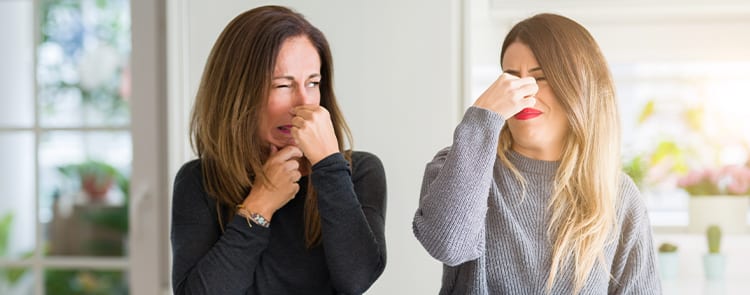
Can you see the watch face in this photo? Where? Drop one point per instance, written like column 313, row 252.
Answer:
column 259, row 219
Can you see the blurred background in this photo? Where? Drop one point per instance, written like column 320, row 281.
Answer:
column 95, row 97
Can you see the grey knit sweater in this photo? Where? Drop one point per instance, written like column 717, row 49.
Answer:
column 471, row 217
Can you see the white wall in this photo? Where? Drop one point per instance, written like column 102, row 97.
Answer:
column 398, row 79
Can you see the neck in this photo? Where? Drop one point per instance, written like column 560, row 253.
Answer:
column 544, row 153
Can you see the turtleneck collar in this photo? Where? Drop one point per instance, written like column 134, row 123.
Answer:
column 529, row 165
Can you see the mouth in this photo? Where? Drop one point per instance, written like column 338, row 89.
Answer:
column 286, row 129
column 528, row 113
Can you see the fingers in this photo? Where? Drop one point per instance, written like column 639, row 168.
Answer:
column 308, row 111
column 291, row 165
column 509, row 94
column 295, row 176
column 305, row 113
column 516, row 82
column 289, row 152
column 525, row 87
column 528, row 90
column 518, row 88
column 507, row 76
column 528, row 102
column 295, row 189
column 282, row 168
column 298, row 122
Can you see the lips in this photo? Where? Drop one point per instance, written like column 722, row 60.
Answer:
column 286, row 129
column 528, row 113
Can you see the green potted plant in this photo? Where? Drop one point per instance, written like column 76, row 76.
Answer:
column 713, row 261
column 668, row 261
column 9, row 277
column 95, row 177
column 107, row 223
column 636, row 168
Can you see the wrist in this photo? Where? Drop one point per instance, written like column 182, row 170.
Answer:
column 321, row 157
column 253, row 204
column 252, row 217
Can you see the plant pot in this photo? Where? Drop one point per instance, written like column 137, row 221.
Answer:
column 669, row 263
column 96, row 188
column 713, row 266
column 728, row 212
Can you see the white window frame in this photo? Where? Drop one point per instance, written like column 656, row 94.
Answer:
column 146, row 264
column 149, row 214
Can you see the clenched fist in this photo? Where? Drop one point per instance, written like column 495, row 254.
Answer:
column 508, row 95
column 313, row 133
column 282, row 171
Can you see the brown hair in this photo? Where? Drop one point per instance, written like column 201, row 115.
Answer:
column 233, row 93
column 583, row 202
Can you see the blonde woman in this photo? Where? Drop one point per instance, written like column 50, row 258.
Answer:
column 530, row 198
column 272, row 205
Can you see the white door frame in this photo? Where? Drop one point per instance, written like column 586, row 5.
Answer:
column 149, row 217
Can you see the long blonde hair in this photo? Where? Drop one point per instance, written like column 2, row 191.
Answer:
column 582, row 207
column 233, row 93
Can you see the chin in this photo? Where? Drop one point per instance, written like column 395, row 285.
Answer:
column 283, row 144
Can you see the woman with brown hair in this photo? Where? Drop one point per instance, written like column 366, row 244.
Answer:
column 274, row 204
column 530, row 197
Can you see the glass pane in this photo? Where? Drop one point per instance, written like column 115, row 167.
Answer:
column 16, row 191
column 84, row 180
column 16, row 281
column 83, row 72
column 685, row 128
column 89, row 282
column 16, row 53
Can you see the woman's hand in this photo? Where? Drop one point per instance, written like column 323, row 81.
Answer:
column 313, row 132
column 508, row 95
column 282, row 171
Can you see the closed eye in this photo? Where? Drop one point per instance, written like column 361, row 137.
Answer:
column 540, row 79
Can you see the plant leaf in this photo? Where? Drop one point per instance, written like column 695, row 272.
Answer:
column 647, row 111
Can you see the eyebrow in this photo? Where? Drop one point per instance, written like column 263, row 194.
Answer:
column 292, row 78
column 516, row 73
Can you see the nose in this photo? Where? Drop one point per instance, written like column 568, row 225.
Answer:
column 302, row 96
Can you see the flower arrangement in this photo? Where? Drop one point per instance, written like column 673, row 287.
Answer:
column 727, row 180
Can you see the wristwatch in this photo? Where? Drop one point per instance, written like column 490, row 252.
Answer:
column 252, row 216
column 259, row 219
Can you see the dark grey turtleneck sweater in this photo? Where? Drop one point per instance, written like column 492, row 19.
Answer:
column 275, row 260
column 471, row 217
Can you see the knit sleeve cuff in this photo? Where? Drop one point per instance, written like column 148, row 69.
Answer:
column 482, row 117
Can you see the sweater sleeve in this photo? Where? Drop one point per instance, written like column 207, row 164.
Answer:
column 205, row 261
column 634, row 265
column 450, row 220
column 352, row 213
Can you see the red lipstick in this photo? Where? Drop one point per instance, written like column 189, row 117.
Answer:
column 527, row 114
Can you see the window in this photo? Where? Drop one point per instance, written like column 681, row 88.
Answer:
column 65, row 133
column 680, row 118
column 680, row 69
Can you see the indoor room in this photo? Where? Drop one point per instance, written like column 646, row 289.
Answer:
column 97, row 100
